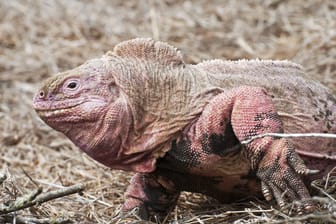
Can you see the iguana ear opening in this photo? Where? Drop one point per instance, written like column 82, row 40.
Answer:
column 149, row 50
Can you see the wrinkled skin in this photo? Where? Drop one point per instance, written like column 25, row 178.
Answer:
column 140, row 108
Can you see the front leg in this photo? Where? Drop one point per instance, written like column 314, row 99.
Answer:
column 150, row 194
column 250, row 111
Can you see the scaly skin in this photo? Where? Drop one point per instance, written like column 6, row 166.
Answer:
column 140, row 108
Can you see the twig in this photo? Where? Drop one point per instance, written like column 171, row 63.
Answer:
column 308, row 217
column 34, row 198
column 313, row 184
column 25, row 220
column 248, row 211
column 29, row 177
column 286, row 135
column 324, row 200
column 95, row 199
column 329, row 177
column 21, row 202
column 3, row 177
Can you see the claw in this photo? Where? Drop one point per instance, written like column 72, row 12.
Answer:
column 305, row 171
column 309, row 206
column 282, row 204
column 279, row 197
column 310, row 172
column 303, row 207
column 299, row 165
column 300, row 209
column 266, row 191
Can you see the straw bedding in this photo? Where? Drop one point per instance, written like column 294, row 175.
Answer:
column 39, row 38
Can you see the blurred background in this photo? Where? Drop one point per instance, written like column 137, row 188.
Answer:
column 39, row 38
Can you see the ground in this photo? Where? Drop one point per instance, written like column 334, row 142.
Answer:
column 39, row 38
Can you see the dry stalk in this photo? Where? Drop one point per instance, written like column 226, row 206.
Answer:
column 288, row 135
column 3, row 177
column 36, row 198
column 28, row 220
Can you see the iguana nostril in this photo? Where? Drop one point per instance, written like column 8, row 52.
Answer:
column 41, row 94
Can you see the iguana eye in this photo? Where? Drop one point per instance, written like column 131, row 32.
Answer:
column 72, row 85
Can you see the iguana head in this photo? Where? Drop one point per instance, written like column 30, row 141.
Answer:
column 125, row 108
column 87, row 106
column 78, row 96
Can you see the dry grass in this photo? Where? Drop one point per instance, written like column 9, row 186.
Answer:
column 39, row 38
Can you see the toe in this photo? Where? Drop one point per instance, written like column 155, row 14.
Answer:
column 297, row 164
column 266, row 191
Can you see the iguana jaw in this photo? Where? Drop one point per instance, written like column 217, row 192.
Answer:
column 56, row 112
column 68, row 110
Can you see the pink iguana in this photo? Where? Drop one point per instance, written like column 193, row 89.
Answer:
column 179, row 126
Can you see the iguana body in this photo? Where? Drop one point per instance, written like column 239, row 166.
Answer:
column 179, row 126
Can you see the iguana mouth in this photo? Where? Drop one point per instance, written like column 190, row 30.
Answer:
column 71, row 110
column 53, row 113
column 56, row 110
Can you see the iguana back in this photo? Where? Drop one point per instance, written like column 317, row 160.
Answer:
column 303, row 104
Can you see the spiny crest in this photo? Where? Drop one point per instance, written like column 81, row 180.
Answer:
column 247, row 63
column 150, row 50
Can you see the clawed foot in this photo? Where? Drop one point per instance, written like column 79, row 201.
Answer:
column 151, row 199
column 149, row 211
column 280, row 172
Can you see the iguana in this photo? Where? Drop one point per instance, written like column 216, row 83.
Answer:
column 180, row 126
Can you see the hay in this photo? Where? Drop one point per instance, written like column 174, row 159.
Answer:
column 39, row 38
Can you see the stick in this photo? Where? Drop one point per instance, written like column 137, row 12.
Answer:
column 25, row 220
column 36, row 197
column 3, row 177
column 285, row 135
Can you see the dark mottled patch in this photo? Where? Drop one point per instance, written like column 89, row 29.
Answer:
column 328, row 126
column 251, row 175
column 221, row 144
column 328, row 112
column 321, row 114
column 191, row 182
column 241, row 187
column 322, row 101
column 266, row 115
column 255, row 157
column 315, row 118
column 331, row 98
column 325, row 114
column 180, row 156
column 310, row 92
column 159, row 200
column 259, row 127
column 333, row 144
